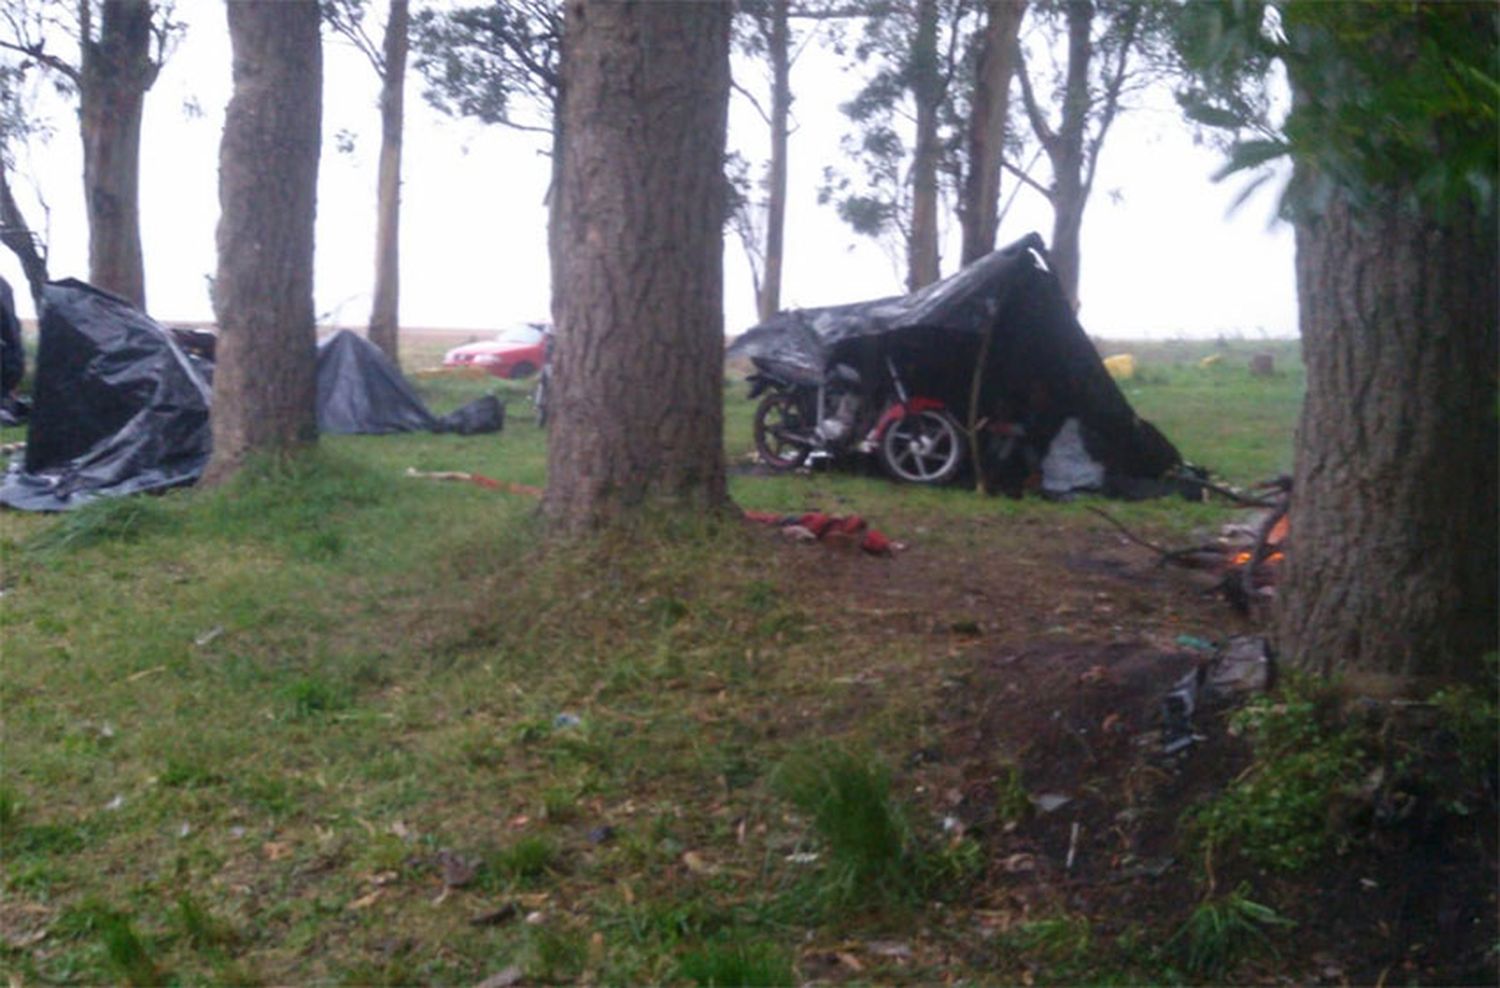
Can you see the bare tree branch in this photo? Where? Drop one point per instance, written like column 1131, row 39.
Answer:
column 1039, row 126
column 34, row 51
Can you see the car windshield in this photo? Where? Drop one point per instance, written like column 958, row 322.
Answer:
column 520, row 335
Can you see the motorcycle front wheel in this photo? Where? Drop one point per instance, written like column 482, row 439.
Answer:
column 779, row 427
column 923, row 448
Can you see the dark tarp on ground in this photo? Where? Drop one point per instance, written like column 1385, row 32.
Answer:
column 360, row 392
column 1041, row 369
column 12, row 358
column 117, row 408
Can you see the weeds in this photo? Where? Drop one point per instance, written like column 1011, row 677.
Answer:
column 200, row 927
column 1277, row 817
column 1221, row 932
column 866, row 836
column 722, row 965
column 119, row 520
column 526, row 862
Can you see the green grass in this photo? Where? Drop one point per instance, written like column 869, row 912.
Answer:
column 239, row 725
column 1221, row 932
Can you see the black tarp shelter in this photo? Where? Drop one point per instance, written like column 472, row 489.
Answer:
column 116, row 406
column 1039, row 368
column 120, row 408
column 360, row 392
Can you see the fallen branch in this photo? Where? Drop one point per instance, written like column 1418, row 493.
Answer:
column 1180, row 556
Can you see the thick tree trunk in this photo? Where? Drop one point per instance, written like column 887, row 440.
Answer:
column 385, row 314
column 264, row 384
column 923, row 259
column 115, row 73
column 769, row 296
column 979, row 211
column 639, row 379
column 1392, row 566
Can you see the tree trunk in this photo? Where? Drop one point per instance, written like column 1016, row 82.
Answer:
column 385, row 314
column 639, row 376
column 1068, row 200
column 769, row 296
column 16, row 234
column 922, row 248
column 979, row 210
column 115, row 73
column 264, row 384
column 1392, row 566
column 1069, row 193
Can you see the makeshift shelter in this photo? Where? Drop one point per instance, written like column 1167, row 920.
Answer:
column 1006, row 317
column 116, row 406
column 120, row 408
column 361, row 392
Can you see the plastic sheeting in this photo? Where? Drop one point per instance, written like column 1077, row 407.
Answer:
column 360, row 392
column 1039, row 371
column 12, row 359
column 117, row 407
column 120, row 408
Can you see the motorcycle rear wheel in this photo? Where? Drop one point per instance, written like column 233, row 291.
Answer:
column 924, row 447
column 779, row 420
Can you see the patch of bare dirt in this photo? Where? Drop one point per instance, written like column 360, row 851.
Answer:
column 1053, row 645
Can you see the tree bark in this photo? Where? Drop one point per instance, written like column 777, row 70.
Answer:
column 115, row 72
column 1069, row 193
column 385, row 314
column 769, row 296
column 923, row 259
column 638, row 376
column 1392, row 564
column 16, row 234
column 979, row 210
column 264, row 384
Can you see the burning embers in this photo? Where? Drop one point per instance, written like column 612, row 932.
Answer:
column 1247, row 557
column 1250, row 572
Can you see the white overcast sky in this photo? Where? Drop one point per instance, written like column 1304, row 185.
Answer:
column 1162, row 255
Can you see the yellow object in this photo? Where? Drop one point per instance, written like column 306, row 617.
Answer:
column 1121, row 366
column 1210, row 360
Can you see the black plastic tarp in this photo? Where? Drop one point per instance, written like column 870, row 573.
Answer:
column 1040, row 368
column 360, row 392
column 120, row 408
column 12, row 356
column 117, row 408
column 13, row 410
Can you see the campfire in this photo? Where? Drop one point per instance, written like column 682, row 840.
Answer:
column 1247, row 556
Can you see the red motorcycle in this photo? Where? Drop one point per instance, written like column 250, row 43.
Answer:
column 803, row 415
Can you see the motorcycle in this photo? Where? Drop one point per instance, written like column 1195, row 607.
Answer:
column 803, row 415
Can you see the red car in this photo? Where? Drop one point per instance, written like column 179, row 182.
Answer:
column 517, row 352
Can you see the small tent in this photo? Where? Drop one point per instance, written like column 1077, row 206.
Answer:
column 1006, row 317
column 360, row 392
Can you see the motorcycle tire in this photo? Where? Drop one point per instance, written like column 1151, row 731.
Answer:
column 924, row 447
column 539, row 399
column 778, row 415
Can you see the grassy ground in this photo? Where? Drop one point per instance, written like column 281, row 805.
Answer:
column 338, row 724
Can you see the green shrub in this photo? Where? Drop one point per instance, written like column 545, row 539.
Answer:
column 1277, row 816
